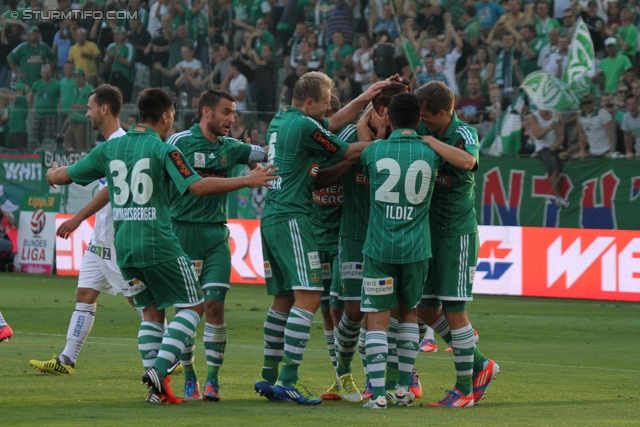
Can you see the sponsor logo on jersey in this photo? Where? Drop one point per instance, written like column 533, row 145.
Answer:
column 327, row 144
column 351, row 270
column 267, row 269
column 406, row 132
column 197, row 266
column 102, row 252
column 212, row 156
column 139, row 129
column 212, row 173
column 314, row 259
column 326, row 271
column 180, row 163
column 379, row 286
column 332, row 196
column 313, row 170
column 136, row 286
column 361, row 179
column 443, row 179
column 315, row 277
column 199, row 160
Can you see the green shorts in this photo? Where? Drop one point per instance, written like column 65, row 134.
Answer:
column 452, row 267
column 351, row 267
column 385, row 285
column 169, row 283
column 209, row 250
column 291, row 258
column 330, row 276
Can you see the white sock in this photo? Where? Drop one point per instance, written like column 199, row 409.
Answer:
column 430, row 334
column 2, row 322
column 79, row 328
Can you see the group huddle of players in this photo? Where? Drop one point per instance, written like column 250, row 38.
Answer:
column 381, row 235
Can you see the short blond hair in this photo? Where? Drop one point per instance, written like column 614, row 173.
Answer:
column 310, row 85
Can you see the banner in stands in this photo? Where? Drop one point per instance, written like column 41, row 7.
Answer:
column 61, row 157
column 520, row 261
column 604, row 193
column 20, row 174
column 36, row 232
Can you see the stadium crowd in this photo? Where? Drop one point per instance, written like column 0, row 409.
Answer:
column 257, row 50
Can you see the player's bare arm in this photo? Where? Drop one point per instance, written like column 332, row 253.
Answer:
column 350, row 112
column 457, row 157
column 98, row 202
column 258, row 177
column 58, row 175
column 330, row 175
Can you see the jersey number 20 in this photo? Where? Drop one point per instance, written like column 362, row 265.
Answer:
column 141, row 187
column 386, row 194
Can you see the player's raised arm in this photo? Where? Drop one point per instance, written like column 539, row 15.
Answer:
column 350, row 112
column 258, row 177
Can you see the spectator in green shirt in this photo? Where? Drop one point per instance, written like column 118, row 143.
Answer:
column 612, row 67
column 67, row 86
column 25, row 60
column 46, row 92
column 17, row 116
column 628, row 33
column 75, row 138
column 338, row 53
column 122, row 55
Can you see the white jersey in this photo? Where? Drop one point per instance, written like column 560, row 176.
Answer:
column 597, row 135
column 103, row 230
column 550, row 138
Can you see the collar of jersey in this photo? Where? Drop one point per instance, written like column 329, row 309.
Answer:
column 148, row 130
column 290, row 109
column 398, row 133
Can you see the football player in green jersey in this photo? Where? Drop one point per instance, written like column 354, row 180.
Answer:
column 397, row 249
column 200, row 225
column 292, row 264
column 139, row 168
column 455, row 244
column 351, row 326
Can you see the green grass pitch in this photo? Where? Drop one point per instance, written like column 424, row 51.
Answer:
column 563, row 363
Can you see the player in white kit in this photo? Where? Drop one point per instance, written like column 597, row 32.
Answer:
column 99, row 271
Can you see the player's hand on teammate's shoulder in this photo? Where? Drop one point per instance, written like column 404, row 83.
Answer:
column 261, row 176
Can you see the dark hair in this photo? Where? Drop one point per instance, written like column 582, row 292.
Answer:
column 189, row 45
column 110, row 95
column 404, row 111
column 211, row 98
column 153, row 103
column 436, row 96
column 531, row 28
column 335, row 103
column 471, row 10
column 237, row 64
column 69, row 62
column 383, row 99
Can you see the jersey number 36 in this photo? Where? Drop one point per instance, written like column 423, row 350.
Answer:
column 141, row 187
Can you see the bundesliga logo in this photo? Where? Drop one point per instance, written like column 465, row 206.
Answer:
column 73, row 14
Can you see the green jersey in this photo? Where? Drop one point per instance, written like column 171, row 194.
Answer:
column 129, row 53
column 453, row 199
column 355, row 209
column 198, row 26
column 47, row 97
column 139, row 168
column 30, row 59
column 296, row 149
column 529, row 65
column 18, row 115
column 401, row 173
column 81, row 97
column 67, row 87
column 209, row 159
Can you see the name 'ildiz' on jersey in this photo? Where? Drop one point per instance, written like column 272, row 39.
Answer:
column 399, row 212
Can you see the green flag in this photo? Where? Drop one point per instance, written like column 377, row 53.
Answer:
column 549, row 92
column 581, row 63
column 505, row 136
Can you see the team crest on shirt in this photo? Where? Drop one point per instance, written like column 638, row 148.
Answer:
column 224, row 160
column 199, row 160
column 315, row 277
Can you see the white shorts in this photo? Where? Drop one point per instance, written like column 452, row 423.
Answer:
column 99, row 270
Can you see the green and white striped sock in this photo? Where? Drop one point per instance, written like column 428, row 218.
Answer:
column 362, row 349
column 296, row 338
column 179, row 333
column 377, row 353
column 463, row 346
column 347, row 337
column 149, row 342
column 215, row 342
column 273, row 344
column 329, row 337
column 441, row 327
column 392, row 359
column 422, row 331
column 407, row 350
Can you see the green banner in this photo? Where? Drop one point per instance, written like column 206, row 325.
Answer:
column 604, row 193
column 20, row 174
